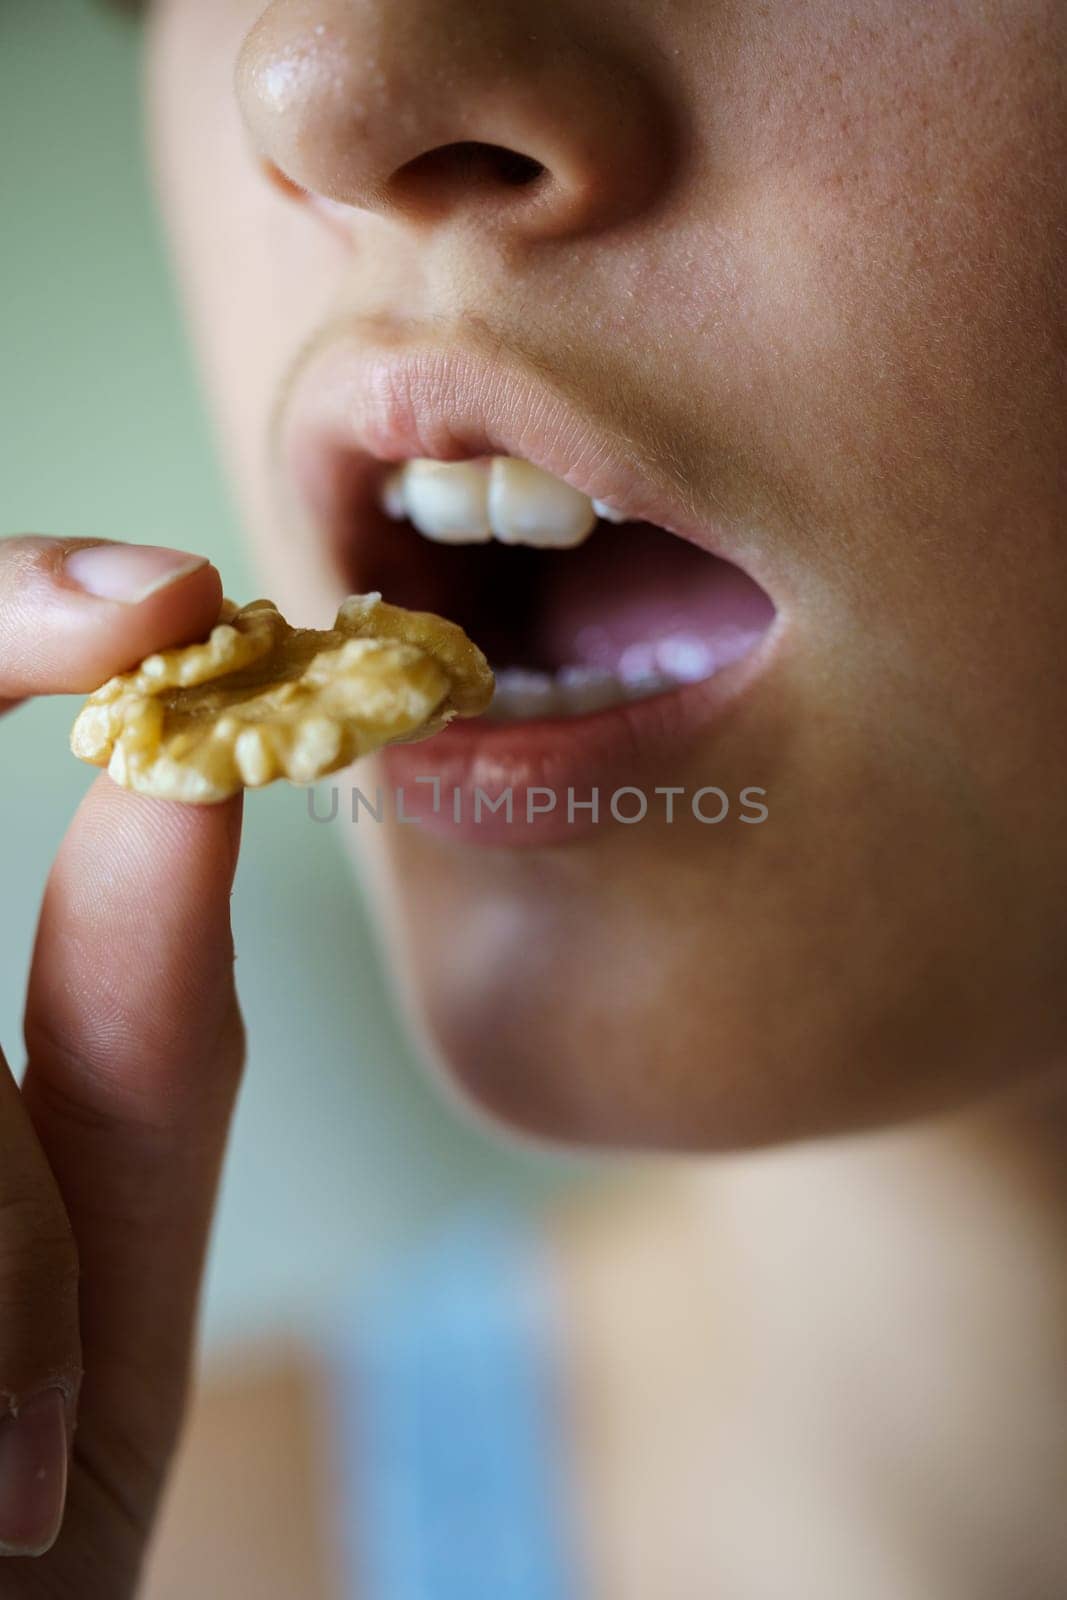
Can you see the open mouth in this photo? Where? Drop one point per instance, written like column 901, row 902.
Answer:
column 578, row 608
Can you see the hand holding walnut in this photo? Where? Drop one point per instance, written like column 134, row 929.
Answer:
column 110, row 1150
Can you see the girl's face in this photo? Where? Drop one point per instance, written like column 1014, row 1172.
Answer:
column 786, row 277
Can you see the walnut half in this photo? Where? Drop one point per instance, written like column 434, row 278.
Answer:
column 259, row 700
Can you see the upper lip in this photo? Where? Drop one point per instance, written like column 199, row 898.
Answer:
column 368, row 391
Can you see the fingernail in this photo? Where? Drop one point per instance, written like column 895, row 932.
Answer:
column 128, row 572
column 33, row 1474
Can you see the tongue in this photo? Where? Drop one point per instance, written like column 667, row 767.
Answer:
column 642, row 604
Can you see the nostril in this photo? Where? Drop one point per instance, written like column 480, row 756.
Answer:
column 431, row 183
column 515, row 169
column 519, row 131
column 445, row 173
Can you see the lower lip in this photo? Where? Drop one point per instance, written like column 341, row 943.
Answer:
column 550, row 768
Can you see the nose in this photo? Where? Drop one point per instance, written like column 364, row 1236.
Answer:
column 437, row 109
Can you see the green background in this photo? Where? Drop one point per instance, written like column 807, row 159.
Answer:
column 343, row 1152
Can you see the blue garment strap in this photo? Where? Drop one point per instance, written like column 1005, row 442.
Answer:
column 451, row 1455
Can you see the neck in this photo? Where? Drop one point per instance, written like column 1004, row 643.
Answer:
column 968, row 1211
column 901, row 1300
column 880, row 1320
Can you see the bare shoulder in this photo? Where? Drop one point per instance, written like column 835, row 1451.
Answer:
column 248, row 1508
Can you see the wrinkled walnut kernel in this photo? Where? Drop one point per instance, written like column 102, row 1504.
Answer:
column 259, row 700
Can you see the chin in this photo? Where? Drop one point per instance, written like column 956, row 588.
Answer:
column 632, row 1088
column 630, row 1085
column 555, row 1018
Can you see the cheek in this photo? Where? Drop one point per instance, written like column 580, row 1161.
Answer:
column 204, row 177
column 881, row 370
column 917, row 208
column 252, row 284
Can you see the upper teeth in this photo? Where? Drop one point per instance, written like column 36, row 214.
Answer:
column 469, row 502
column 445, row 500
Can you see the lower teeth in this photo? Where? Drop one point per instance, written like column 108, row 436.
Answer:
column 522, row 696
